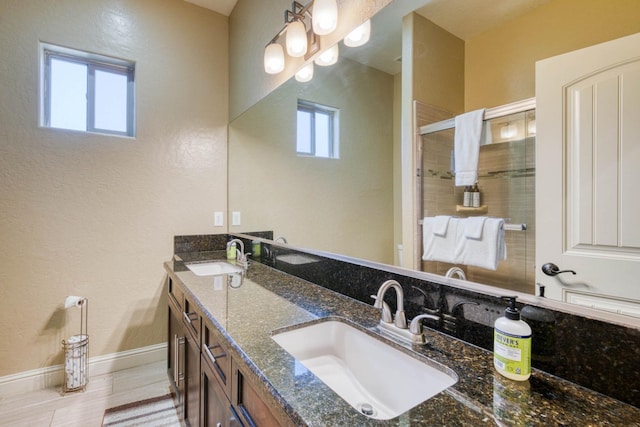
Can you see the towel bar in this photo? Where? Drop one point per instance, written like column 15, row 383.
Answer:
column 507, row 227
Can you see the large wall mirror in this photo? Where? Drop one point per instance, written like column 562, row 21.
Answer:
column 350, row 203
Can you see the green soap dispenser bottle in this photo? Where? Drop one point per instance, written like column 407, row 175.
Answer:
column 512, row 344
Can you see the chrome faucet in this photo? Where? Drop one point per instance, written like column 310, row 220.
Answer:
column 281, row 238
column 400, row 321
column 456, row 271
column 397, row 325
column 241, row 257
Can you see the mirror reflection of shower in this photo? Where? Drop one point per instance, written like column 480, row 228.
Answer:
column 506, row 181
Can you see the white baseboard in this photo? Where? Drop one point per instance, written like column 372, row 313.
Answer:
column 52, row 376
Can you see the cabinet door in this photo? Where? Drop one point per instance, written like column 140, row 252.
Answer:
column 214, row 404
column 191, row 323
column 175, row 356
column 191, row 381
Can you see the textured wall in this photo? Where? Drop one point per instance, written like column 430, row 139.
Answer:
column 500, row 64
column 342, row 205
column 95, row 215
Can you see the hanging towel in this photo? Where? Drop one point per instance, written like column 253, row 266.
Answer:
column 486, row 251
column 440, row 224
column 440, row 248
column 467, row 136
column 473, row 227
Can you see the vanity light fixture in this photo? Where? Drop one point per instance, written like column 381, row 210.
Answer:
column 328, row 57
column 305, row 73
column 301, row 40
column 296, row 38
column 359, row 36
column 273, row 58
column 325, row 16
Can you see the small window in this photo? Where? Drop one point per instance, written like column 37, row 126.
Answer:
column 317, row 127
column 86, row 92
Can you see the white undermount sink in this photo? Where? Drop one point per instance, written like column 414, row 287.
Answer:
column 297, row 259
column 213, row 268
column 373, row 377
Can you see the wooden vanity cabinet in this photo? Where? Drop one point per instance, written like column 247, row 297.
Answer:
column 212, row 388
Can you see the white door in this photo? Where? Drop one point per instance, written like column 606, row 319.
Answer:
column 588, row 175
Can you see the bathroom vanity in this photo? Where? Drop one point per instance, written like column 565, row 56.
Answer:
column 228, row 370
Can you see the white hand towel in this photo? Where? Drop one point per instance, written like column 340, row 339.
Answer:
column 440, row 224
column 473, row 227
column 487, row 251
column 467, row 146
column 440, row 248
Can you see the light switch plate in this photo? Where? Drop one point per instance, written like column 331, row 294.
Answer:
column 218, row 219
column 235, row 218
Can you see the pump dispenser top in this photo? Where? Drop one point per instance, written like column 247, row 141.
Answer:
column 511, row 312
column 512, row 344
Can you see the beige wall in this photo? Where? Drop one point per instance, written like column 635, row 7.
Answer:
column 432, row 74
column 438, row 66
column 253, row 23
column 95, row 215
column 340, row 205
column 500, row 64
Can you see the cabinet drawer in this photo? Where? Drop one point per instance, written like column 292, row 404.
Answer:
column 253, row 411
column 214, row 354
column 191, row 319
column 175, row 293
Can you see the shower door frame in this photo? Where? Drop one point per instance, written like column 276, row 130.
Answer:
column 489, row 114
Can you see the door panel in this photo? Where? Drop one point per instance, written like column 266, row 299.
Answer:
column 588, row 156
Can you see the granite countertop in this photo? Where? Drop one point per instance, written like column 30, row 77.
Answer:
column 270, row 300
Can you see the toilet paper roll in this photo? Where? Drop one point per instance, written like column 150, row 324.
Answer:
column 73, row 301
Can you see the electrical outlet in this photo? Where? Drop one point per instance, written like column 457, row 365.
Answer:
column 235, row 218
column 218, row 219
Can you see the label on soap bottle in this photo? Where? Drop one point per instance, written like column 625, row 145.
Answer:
column 512, row 353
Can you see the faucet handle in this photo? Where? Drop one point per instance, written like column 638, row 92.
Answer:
column 416, row 325
column 386, row 311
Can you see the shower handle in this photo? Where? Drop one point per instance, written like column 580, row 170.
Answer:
column 550, row 269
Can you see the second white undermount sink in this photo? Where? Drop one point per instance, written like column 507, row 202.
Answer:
column 212, row 268
column 375, row 378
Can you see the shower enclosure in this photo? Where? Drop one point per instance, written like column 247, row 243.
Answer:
column 506, row 179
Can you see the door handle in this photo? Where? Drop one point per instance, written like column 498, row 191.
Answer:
column 550, row 269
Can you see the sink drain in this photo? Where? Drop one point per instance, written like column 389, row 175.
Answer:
column 367, row 409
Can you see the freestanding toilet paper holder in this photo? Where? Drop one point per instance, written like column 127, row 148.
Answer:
column 76, row 350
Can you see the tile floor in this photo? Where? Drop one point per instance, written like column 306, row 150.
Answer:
column 49, row 408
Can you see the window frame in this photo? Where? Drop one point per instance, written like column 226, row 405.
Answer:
column 93, row 62
column 333, row 143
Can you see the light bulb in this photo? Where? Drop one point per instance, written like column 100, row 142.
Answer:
column 328, row 57
column 305, row 73
column 296, row 39
column 508, row 131
column 273, row 58
column 531, row 127
column 359, row 36
column 325, row 16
